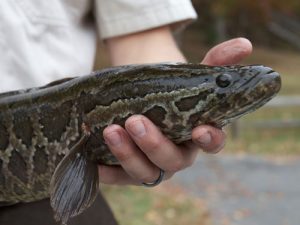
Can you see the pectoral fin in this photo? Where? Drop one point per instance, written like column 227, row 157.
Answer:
column 74, row 184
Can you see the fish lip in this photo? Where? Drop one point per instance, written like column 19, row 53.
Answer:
column 267, row 86
column 267, row 76
column 273, row 80
column 270, row 79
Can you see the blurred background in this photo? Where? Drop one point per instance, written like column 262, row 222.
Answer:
column 256, row 179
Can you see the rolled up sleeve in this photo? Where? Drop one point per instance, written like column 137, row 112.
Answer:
column 121, row 17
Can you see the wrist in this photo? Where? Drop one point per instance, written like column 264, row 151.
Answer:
column 156, row 45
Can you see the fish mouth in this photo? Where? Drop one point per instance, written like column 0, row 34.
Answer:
column 272, row 80
column 267, row 87
column 264, row 82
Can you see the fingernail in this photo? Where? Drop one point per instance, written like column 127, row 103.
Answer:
column 137, row 128
column 204, row 139
column 114, row 139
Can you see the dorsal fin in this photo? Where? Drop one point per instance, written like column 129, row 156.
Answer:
column 27, row 90
column 56, row 82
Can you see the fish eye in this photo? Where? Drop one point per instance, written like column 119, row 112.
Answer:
column 224, row 80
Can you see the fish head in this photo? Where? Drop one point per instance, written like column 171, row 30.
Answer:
column 237, row 90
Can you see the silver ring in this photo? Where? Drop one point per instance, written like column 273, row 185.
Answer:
column 157, row 181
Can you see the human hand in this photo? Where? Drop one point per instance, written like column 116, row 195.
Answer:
column 143, row 150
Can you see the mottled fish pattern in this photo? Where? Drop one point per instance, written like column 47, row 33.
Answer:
column 54, row 132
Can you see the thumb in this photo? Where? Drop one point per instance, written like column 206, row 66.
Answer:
column 228, row 52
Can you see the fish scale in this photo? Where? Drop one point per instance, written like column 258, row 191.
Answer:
column 41, row 128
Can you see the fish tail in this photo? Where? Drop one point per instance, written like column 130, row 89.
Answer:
column 74, row 184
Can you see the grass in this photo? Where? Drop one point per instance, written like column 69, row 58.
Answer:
column 157, row 206
column 263, row 140
column 272, row 143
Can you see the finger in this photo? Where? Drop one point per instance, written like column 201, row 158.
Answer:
column 131, row 158
column 115, row 175
column 158, row 148
column 210, row 139
column 228, row 52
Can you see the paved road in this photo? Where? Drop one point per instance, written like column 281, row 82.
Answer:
column 246, row 190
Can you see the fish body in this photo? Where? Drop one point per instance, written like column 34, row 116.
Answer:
column 54, row 132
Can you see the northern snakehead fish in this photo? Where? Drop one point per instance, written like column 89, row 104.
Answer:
column 54, row 132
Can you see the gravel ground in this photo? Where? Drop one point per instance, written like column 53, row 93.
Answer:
column 246, row 190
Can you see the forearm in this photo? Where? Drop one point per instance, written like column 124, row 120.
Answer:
column 156, row 45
